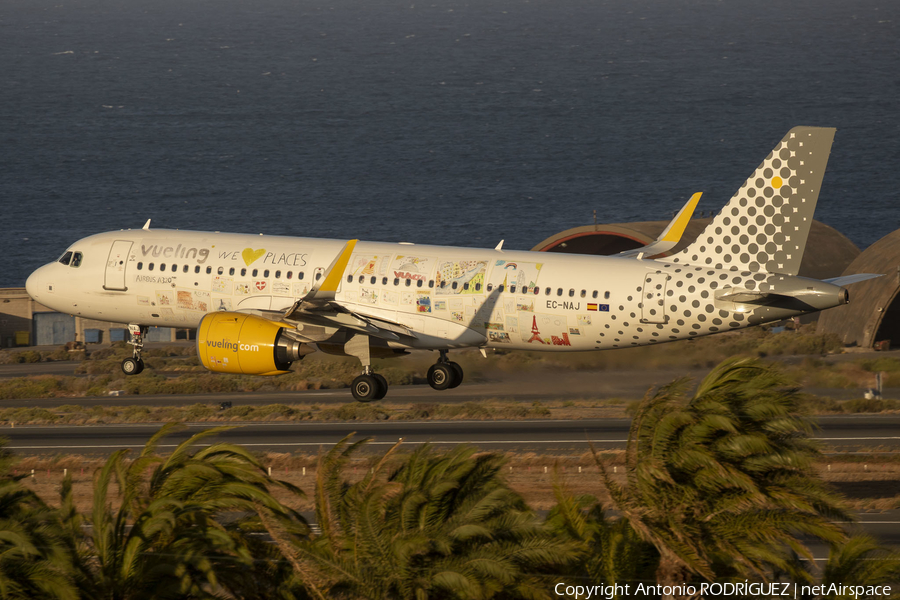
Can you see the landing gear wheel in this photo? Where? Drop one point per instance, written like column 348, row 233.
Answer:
column 383, row 385
column 441, row 376
column 458, row 374
column 132, row 366
column 365, row 388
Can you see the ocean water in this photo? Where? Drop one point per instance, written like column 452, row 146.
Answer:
column 442, row 121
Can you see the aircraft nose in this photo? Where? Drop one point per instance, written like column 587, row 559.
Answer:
column 33, row 284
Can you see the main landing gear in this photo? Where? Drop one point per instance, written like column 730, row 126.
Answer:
column 369, row 386
column 134, row 365
column 444, row 374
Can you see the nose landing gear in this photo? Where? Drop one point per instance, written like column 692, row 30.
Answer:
column 444, row 374
column 134, row 365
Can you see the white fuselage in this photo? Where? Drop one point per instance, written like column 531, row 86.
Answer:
column 451, row 297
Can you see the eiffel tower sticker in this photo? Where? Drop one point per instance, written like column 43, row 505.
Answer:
column 535, row 332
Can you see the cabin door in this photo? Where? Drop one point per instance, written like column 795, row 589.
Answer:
column 114, row 278
column 653, row 298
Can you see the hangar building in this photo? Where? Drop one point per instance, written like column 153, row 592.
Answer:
column 873, row 314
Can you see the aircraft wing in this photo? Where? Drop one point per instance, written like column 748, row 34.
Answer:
column 671, row 235
column 317, row 316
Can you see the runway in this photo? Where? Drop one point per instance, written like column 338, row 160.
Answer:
column 879, row 433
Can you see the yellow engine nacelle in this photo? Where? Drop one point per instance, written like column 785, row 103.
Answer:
column 229, row 342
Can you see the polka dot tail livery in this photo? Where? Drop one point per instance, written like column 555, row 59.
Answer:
column 764, row 226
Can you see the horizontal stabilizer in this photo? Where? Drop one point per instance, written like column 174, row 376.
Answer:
column 848, row 279
column 742, row 295
column 670, row 237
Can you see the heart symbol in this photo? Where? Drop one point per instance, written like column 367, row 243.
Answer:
column 250, row 255
column 260, row 285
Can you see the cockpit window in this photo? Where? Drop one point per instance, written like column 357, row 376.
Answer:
column 76, row 260
column 65, row 258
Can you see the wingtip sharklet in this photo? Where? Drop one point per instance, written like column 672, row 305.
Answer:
column 676, row 228
column 671, row 235
column 336, row 270
column 333, row 275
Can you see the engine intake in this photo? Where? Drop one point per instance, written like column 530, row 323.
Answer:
column 230, row 342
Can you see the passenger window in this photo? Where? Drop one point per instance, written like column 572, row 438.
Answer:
column 546, row 291
column 408, row 282
column 231, row 271
column 454, row 285
column 571, row 293
column 420, row 283
column 594, row 295
column 243, row 272
column 277, row 274
column 559, row 291
column 300, row 275
column 500, row 288
column 290, row 274
column 65, row 258
column 396, row 281
column 76, row 260
column 606, row 295
column 150, row 267
column 444, row 284
column 466, row 285
column 537, row 290
column 373, row 280
column 208, row 270
column 174, row 268
column 490, row 287
column 512, row 289
column 477, row 287
column 318, row 276
column 220, row 270
column 266, row 273
column 384, row 281
column 349, row 278
column 431, row 283
column 362, row 278
column 255, row 272
column 197, row 269
column 140, row 266
column 584, row 293
column 162, row 266
column 186, row 268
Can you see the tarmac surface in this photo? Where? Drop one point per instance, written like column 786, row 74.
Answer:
column 630, row 384
column 838, row 434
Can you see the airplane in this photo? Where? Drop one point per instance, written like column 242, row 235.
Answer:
column 260, row 303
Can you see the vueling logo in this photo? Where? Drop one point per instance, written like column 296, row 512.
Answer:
column 233, row 346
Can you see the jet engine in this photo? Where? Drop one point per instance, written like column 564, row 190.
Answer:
column 230, row 342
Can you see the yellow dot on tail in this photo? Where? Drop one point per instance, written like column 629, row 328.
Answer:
column 777, row 182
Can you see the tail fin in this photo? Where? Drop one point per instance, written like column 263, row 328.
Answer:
column 765, row 225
